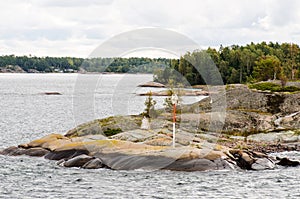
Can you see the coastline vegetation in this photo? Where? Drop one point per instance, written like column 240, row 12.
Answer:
column 273, row 87
column 234, row 64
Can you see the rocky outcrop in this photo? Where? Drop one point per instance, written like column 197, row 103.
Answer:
column 107, row 126
column 248, row 111
column 182, row 92
column 263, row 118
column 195, row 155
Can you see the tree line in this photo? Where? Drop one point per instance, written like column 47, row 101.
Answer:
column 41, row 64
column 232, row 64
column 235, row 64
column 64, row 64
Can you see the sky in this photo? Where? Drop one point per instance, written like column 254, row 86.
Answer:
column 77, row 27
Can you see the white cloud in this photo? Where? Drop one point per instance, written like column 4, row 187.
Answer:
column 76, row 27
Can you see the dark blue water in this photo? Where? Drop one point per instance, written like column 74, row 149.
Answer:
column 26, row 114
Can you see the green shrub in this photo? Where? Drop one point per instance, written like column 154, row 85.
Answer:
column 264, row 86
column 111, row 132
column 291, row 89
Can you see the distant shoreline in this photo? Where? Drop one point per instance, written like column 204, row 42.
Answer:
column 84, row 73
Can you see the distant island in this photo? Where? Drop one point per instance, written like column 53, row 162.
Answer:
column 236, row 64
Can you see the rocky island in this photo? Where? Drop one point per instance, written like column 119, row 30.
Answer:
column 256, row 124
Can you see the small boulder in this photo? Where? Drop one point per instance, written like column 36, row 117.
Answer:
column 288, row 162
column 60, row 162
column 94, row 164
column 262, row 164
column 78, row 161
column 243, row 159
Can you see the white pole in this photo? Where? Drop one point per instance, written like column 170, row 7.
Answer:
column 174, row 100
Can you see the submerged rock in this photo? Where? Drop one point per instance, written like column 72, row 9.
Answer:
column 52, row 93
column 287, row 162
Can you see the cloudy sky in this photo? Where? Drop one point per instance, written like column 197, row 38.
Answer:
column 77, row 27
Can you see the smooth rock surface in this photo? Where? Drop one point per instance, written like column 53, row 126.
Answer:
column 66, row 154
column 51, row 142
column 16, row 151
column 10, row 151
column 78, row 161
column 38, row 152
column 192, row 165
column 262, row 164
column 137, row 135
column 94, row 164
column 265, row 137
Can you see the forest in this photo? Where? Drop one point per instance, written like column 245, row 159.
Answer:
column 232, row 64
column 236, row 64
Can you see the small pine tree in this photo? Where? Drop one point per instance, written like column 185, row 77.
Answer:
column 150, row 103
column 168, row 103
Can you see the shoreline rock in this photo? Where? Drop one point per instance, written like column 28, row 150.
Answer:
column 183, row 93
column 126, row 155
column 257, row 122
